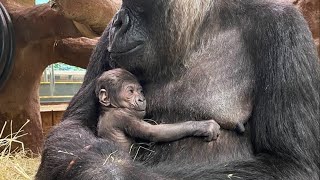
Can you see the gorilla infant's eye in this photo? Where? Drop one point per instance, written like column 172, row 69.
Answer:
column 130, row 90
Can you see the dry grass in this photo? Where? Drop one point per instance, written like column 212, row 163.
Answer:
column 18, row 163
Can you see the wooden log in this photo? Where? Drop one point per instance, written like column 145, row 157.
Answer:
column 93, row 15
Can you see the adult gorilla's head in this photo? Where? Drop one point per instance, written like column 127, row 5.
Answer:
column 155, row 34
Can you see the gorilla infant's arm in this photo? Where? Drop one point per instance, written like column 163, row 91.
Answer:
column 116, row 123
column 209, row 129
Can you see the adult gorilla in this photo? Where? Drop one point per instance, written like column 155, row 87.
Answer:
column 201, row 59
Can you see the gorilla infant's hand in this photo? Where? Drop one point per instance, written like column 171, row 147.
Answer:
column 208, row 129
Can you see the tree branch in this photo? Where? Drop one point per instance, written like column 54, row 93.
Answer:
column 94, row 15
column 75, row 51
column 41, row 22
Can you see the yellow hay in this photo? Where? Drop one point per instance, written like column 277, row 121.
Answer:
column 14, row 163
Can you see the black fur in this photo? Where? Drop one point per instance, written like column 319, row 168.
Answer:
column 257, row 50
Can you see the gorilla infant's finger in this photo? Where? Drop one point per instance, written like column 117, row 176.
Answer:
column 240, row 129
column 209, row 137
column 213, row 130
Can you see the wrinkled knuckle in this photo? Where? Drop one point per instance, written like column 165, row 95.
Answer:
column 212, row 126
column 212, row 121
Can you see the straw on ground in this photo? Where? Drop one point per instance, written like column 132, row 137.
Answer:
column 16, row 163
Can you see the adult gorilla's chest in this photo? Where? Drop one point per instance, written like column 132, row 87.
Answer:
column 202, row 93
column 183, row 100
column 216, row 84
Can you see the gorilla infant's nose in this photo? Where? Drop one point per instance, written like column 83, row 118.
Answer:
column 141, row 101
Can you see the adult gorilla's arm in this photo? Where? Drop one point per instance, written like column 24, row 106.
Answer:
column 72, row 150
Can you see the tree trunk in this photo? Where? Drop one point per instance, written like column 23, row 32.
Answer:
column 19, row 98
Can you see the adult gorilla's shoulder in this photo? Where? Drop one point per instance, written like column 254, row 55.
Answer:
column 198, row 59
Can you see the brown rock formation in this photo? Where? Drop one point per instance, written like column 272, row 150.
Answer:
column 43, row 37
column 311, row 11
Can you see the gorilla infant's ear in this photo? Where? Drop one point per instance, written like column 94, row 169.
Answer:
column 103, row 97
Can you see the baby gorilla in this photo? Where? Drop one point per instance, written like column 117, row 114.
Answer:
column 123, row 107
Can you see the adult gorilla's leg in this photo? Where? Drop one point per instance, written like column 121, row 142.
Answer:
column 72, row 151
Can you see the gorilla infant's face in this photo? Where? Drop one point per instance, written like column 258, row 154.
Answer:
column 131, row 96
